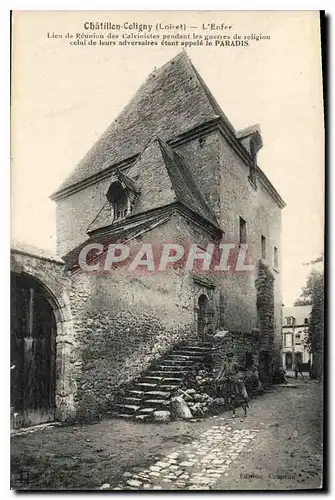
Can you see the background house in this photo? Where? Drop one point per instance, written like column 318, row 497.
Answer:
column 295, row 331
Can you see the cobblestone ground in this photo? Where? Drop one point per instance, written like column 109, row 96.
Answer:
column 277, row 447
column 197, row 465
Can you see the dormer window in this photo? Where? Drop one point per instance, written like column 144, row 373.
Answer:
column 119, row 202
column 121, row 195
column 251, row 140
column 289, row 321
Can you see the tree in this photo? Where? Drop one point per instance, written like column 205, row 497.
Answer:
column 313, row 294
column 313, row 282
column 303, row 301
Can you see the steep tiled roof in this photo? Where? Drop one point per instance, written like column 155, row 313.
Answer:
column 184, row 184
column 297, row 312
column 163, row 177
column 121, row 234
column 174, row 99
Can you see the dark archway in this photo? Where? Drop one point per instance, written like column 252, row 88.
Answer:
column 33, row 352
column 203, row 310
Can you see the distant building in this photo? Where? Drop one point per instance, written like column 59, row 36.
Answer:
column 295, row 331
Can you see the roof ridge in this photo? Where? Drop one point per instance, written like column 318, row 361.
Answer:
column 170, row 101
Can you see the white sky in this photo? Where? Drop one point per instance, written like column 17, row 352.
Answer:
column 65, row 97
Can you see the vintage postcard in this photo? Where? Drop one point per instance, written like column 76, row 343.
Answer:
column 167, row 191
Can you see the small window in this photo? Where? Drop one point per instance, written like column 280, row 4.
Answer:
column 243, row 231
column 263, row 247
column 275, row 257
column 289, row 320
column 298, row 339
column 306, row 321
column 119, row 201
column 288, row 340
column 119, row 206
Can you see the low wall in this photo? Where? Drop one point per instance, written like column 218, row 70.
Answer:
column 243, row 346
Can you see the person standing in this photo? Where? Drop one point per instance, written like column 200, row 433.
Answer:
column 230, row 384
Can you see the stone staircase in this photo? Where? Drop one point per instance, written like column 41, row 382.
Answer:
column 154, row 389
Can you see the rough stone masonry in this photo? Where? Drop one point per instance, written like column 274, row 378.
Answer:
column 170, row 168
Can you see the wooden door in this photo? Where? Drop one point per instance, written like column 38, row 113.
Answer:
column 288, row 361
column 205, row 319
column 33, row 353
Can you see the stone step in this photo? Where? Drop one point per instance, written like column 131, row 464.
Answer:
column 173, row 380
column 163, row 374
column 124, row 416
column 191, row 354
column 156, row 394
column 169, row 387
column 156, row 386
column 186, row 357
column 127, row 409
column 145, row 386
column 146, row 411
column 142, row 418
column 132, row 401
column 179, row 368
column 196, row 348
column 177, row 362
column 151, row 379
column 155, row 403
column 135, row 394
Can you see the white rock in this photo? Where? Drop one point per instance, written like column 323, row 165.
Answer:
column 162, row 416
column 105, row 486
column 127, row 474
column 155, row 468
column 162, row 464
column 133, row 482
column 180, row 409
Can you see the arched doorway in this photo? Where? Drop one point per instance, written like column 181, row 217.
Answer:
column 33, row 352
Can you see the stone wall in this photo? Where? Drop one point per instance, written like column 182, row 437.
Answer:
column 223, row 177
column 50, row 274
column 75, row 213
column 124, row 321
column 243, row 346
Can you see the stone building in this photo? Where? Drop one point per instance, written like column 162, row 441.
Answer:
column 170, row 168
column 295, row 333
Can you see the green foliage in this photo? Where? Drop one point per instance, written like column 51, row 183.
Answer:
column 303, row 302
column 313, row 294
column 265, row 302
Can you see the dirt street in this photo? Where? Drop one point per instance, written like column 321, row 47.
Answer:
column 278, row 446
